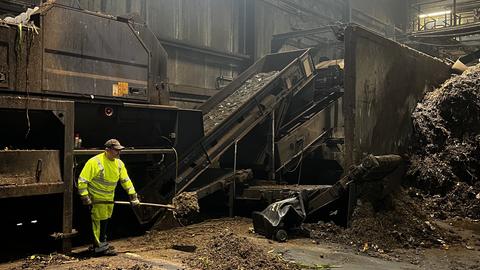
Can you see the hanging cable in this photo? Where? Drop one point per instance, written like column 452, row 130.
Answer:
column 298, row 164
column 176, row 168
column 29, row 40
column 19, row 52
column 300, row 169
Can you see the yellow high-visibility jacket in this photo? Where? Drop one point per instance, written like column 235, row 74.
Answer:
column 100, row 176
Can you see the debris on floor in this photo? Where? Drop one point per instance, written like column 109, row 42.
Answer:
column 445, row 163
column 225, row 108
column 43, row 261
column 219, row 244
column 401, row 225
column 59, row 261
column 231, row 251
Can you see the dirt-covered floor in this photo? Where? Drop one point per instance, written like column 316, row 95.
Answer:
column 231, row 244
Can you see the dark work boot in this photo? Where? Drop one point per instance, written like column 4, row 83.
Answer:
column 104, row 249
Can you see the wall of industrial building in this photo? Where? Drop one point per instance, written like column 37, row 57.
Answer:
column 276, row 17
column 381, row 16
column 200, row 37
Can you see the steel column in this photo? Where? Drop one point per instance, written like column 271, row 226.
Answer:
column 232, row 185
column 250, row 33
column 67, row 225
column 454, row 12
column 348, row 11
column 271, row 150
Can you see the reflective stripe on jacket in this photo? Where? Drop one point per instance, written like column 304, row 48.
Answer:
column 100, row 176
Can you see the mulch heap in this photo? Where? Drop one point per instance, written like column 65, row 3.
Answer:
column 230, row 251
column 402, row 225
column 445, row 159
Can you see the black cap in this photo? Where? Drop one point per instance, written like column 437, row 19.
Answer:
column 114, row 143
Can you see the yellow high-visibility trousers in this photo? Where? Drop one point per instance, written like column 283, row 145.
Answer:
column 100, row 215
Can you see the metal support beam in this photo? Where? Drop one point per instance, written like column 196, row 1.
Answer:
column 91, row 152
column 250, row 33
column 13, row 191
column 178, row 44
column 67, row 224
column 224, row 181
column 281, row 39
column 271, row 150
column 232, row 185
column 299, row 10
column 454, row 12
column 348, row 12
column 303, row 33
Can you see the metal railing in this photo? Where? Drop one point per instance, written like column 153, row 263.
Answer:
column 427, row 23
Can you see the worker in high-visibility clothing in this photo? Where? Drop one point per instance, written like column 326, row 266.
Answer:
column 96, row 186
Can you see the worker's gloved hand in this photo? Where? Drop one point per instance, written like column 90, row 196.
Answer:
column 86, row 200
column 134, row 200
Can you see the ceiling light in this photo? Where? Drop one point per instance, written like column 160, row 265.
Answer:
column 433, row 14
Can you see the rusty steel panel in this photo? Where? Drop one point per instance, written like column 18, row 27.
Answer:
column 20, row 59
column 384, row 80
column 83, row 49
column 18, row 167
column 83, row 54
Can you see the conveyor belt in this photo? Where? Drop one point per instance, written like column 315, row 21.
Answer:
column 280, row 75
